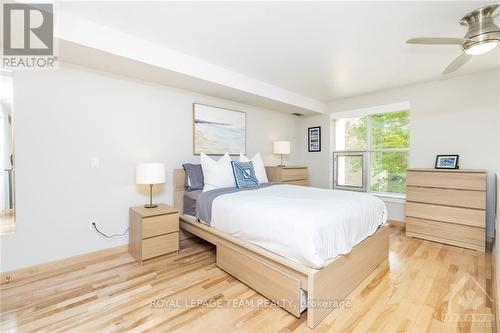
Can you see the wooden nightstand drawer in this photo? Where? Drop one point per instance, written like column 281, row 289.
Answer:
column 156, row 246
column 294, row 174
column 303, row 182
column 297, row 175
column 159, row 225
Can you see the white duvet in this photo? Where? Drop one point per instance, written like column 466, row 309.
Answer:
column 305, row 224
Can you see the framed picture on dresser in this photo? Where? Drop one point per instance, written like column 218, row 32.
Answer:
column 446, row 162
column 314, row 139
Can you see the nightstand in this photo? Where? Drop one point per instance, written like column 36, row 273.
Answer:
column 295, row 175
column 153, row 231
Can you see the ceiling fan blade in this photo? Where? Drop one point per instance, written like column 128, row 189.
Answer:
column 436, row 41
column 457, row 63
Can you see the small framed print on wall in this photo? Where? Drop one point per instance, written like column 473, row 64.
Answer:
column 314, row 139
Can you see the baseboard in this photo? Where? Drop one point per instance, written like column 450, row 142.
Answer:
column 399, row 224
column 51, row 266
column 494, row 282
column 489, row 243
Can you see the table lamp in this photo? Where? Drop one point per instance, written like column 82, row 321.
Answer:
column 282, row 148
column 150, row 174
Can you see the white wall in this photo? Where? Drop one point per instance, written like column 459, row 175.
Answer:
column 2, row 167
column 454, row 115
column 318, row 162
column 66, row 117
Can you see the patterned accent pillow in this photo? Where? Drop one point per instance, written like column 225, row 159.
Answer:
column 244, row 174
column 258, row 166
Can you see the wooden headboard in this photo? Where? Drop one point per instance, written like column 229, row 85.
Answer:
column 179, row 189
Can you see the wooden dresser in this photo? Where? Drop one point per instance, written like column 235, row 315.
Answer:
column 153, row 231
column 296, row 175
column 447, row 206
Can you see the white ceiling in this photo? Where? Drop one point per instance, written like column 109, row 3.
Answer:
column 323, row 50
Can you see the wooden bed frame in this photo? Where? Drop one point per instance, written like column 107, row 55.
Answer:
column 280, row 279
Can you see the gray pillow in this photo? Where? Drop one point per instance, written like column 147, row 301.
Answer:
column 194, row 177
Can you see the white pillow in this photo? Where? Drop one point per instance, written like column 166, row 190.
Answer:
column 217, row 174
column 258, row 166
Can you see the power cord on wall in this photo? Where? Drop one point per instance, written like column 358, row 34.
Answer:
column 108, row 236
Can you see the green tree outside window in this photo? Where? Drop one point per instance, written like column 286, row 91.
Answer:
column 385, row 137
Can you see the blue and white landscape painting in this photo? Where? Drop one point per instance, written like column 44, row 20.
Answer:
column 217, row 131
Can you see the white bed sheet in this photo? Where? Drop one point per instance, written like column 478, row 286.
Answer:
column 305, row 224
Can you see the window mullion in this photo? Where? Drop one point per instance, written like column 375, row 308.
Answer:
column 368, row 150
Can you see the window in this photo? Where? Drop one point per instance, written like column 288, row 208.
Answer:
column 371, row 152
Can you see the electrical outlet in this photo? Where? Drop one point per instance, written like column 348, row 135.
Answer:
column 91, row 227
column 95, row 163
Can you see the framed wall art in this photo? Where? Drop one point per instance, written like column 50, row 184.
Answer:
column 314, row 139
column 217, row 131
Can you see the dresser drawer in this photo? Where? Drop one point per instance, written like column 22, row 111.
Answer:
column 448, row 179
column 455, row 234
column 450, row 197
column 158, row 225
column 456, row 215
column 293, row 174
column 269, row 281
column 156, row 246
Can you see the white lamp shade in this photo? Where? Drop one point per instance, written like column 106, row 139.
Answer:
column 281, row 147
column 150, row 173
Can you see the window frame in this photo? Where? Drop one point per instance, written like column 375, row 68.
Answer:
column 364, row 177
column 366, row 153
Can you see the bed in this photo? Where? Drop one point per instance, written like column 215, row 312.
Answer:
column 295, row 279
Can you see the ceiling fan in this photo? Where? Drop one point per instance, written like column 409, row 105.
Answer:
column 483, row 36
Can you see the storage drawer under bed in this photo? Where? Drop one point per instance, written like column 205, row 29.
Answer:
column 276, row 285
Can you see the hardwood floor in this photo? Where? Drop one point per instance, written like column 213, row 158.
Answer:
column 424, row 286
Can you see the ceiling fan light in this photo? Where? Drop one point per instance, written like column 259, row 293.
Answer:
column 481, row 48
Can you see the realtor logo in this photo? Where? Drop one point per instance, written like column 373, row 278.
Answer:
column 469, row 304
column 28, row 36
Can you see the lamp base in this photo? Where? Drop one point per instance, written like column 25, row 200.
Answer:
column 150, row 205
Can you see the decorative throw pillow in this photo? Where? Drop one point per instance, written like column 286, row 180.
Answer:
column 217, row 174
column 258, row 165
column 194, row 177
column 244, row 174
